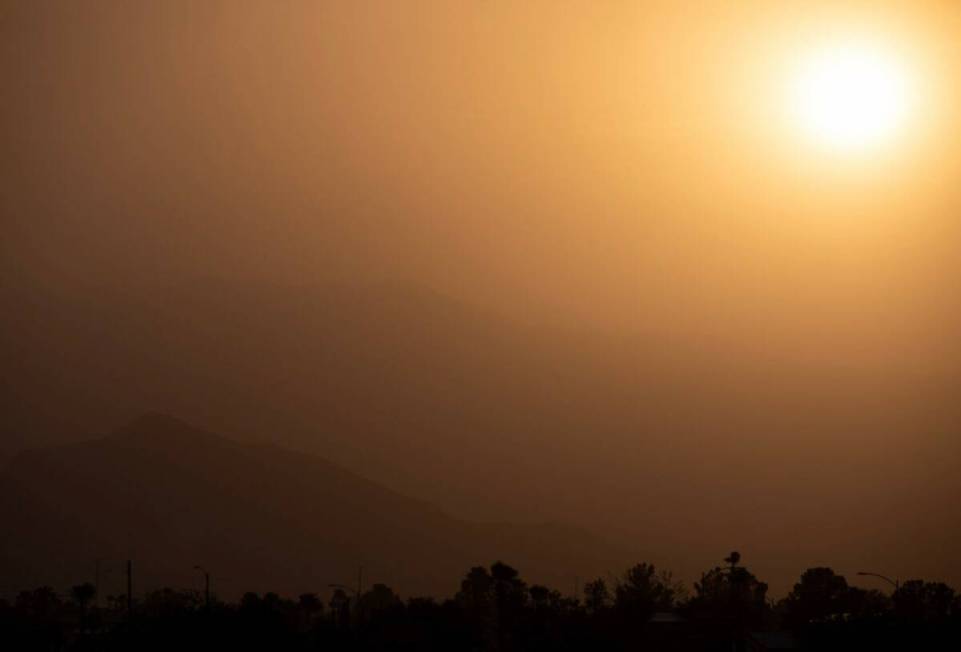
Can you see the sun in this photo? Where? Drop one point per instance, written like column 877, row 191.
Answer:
column 851, row 97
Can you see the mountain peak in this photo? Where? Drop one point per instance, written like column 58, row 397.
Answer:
column 159, row 430
column 170, row 494
column 157, row 421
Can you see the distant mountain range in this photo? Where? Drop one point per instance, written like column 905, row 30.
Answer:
column 679, row 448
column 259, row 517
column 489, row 418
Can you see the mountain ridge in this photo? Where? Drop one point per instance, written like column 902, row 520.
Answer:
column 636, row 438
column 171, row 496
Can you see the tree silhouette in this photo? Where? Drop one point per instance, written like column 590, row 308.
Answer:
column 340, row 607
column 82, row 594
column 596, row 596
column 731, row 597
column 510, row 592
column 309, row 607
column 378, row 599
column 918, row 600
column 493, row 600
column 496, row 611
column 820, row 595
column 642, row 591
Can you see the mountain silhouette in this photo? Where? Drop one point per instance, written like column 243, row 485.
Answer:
column 170, row 496
column 646, row 439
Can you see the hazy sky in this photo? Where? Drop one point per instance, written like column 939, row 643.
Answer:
column 605, row 166
column 603, row 163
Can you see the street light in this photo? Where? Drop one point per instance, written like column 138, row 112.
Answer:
column 357, row 592
column 894, row 583
column 344, row 587
column 343, row 608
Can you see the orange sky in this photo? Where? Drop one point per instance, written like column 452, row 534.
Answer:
column 608, row 166
column 607, row 163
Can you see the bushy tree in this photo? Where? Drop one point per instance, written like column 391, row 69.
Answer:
column 82, row 594
column 596, row 596
column 731, row 594
column 310, row 609
column 642, row 591
column 493, row 601
column 820, row 595
column 340, row 607
column 378, row 599
column 918, row 600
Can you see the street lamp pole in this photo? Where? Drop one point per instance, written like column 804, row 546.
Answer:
column 347, row 589
column 344, row 587
column 360, row 586
column 206, row 585
column 895, row 583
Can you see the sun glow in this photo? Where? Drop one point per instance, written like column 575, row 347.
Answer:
column 851, row 97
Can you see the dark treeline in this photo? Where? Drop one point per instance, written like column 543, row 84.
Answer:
column 495, row 609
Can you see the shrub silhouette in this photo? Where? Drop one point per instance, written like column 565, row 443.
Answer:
column 496, row 610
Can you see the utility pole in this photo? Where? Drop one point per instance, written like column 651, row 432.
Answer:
column 96, row 583
column 206, row 585
column 129, row 588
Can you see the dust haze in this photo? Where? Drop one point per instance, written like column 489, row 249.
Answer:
column 527, row 262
